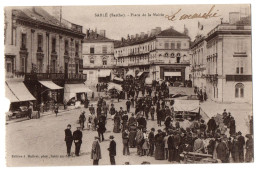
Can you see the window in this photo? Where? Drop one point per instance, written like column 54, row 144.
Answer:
column 172, row 55
column 53, row 66
column 14, row 37
column 104, row 49
column 8, row 67
column 92, row 60
column 166, row 54
column 23, row 64
column 66, row 45
column 92, row 50
column 178, row 59
column 241, row 70
column 172, row 45
column 239, row 90
column 104, row 61
column 166, row 45
column 40, row 42
column 178, row 45
column 23, row 45
column 53, row 45
column 76, row 49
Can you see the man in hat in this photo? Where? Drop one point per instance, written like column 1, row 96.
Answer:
column 77, row 137
column 96, row 151
column 68, row 139
column 241, row 144
column 125, row 138
column 101, row 129
column 151, row 141
column 128, row 104
column 92, row 109
column 112, row 150
column 139, row 141
column 82, row 119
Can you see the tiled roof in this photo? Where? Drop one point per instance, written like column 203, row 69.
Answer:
column 40, row 15
column 138, row 40
column 172, row 32
column 95, row 37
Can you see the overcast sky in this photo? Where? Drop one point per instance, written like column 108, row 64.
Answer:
column 117, row 27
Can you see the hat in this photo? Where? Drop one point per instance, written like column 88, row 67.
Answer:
column 159, row 130
column 78, row 127
column 111, row 137
column 239, row 133
column 68, row 125
column 96, row 137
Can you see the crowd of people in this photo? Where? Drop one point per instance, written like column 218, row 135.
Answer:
column 170, row 138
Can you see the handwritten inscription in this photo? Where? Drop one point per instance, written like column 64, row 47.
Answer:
column 209, row 14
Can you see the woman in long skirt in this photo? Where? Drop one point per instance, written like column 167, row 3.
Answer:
column 117, row 120
column 132, row 135
column 159, row 146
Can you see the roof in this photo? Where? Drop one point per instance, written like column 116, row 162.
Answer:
column 173, row 33
column 146, row 38
column 198, row 39
column 95, row 37
column 39, row 15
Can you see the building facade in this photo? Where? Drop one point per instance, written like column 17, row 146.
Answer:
column 159, row 54
column 226, row 63
column 98, row 57
column 199, row 62
column 40, row 47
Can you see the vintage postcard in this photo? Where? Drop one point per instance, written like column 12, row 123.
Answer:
column 128, row 85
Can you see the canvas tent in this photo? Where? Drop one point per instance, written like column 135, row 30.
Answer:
column 114, row 86
column 70, row 90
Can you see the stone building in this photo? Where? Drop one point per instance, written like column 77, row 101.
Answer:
column 158, row 54
column 224, row 59
column 98, row 57
column 40, row 47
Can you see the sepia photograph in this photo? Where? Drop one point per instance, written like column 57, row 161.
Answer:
column 128, row 85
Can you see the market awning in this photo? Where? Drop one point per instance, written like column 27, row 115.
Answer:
column 172, row 73
column 187, row 105
column 104, row 73
column 76, row 88
column 140, row 73
column 20, row 91
column 118, row 79
column 50, row 85
column 9, row 95
column 130, row 73
column 114, row 86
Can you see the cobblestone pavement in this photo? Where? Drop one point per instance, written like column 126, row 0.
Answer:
column 39, row 142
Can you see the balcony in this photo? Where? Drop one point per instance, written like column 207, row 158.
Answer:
column 239, row 78
column 39, row 53
column 54, row 76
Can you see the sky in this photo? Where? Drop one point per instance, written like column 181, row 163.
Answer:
column 117, row 27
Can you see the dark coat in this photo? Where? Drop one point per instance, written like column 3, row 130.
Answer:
column 112, row 148
column 68, row 135
column 222, row 151
column 232, row 130
column 77, row 136
column 101, row 127
column 212, row 125
column 96, row 151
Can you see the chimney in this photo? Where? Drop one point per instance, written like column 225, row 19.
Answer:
column 142, row 35
column 128, row 37
column 132, row 36
column 122, row 39
column 95, row 30
column 233, row 17
column 153, row 32
column 137, row 35
column 57, row 12
column 158, row 30
column 87, row 33
column 103, row 33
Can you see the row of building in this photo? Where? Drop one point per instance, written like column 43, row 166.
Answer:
column 52, row 56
